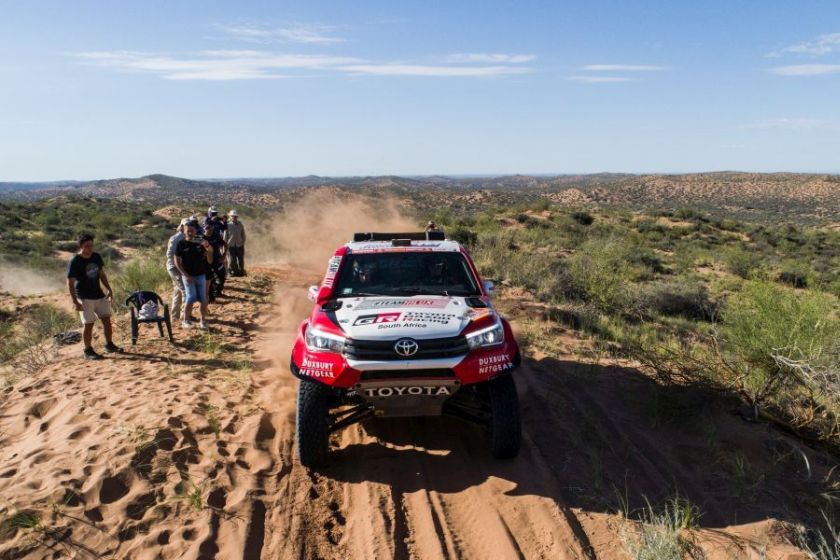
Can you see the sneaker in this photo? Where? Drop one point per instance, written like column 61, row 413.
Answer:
column 186, row 324
column 203, row 326
column 90, row 354
column 112, row 348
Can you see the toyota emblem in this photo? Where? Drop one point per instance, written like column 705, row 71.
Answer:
column 406, row 347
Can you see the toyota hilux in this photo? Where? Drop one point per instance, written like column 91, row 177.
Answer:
column 403, row 326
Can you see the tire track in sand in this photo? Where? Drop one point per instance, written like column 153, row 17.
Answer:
column 404, row 488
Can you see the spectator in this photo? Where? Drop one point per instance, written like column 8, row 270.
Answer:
column 213, row 216
column 192, row 254
column 235, row 239
column 85, row 273
column 177, row 280
column 216, row 269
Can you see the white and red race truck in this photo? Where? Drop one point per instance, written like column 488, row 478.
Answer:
column 403, row 326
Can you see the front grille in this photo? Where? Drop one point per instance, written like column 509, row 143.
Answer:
column 406, row 374
column 428, row 349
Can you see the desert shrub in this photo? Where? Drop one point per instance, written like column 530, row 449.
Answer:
column 147, row 273
column 769, row 333
column 681, row 298
column 29, row 346
column 464, row 236
column 650, row 226
column 687, row 214
column 600, row 272
column 821, row 545
column 583, row 218
column 795, row 274
column 659, row 531
column 741, row 262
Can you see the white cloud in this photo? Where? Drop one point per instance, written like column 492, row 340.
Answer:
column 822, row 45
column 599, row 79
column 491, row 58
column 430, row 70
column 221, row 65
column 622, row 68
column 214, row 65
column 806, row 70
column 305, row 33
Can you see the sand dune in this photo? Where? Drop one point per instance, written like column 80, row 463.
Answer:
column 159, row 455
column 188, row 452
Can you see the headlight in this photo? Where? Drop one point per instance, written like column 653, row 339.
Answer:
column 320, row 341
column 491, row 336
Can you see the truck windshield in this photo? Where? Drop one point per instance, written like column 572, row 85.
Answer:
column 406, row 274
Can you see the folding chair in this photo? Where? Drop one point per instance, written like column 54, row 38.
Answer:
column 135, row 302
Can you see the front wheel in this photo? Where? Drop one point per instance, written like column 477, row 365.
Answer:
column 505, row 422
column 313, row 429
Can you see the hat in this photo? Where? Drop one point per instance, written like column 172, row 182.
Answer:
column 232, row 213
column 212, row 210
column 185, row 222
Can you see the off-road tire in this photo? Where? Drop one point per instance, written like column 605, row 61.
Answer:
column 313, row 429
column 505, row 422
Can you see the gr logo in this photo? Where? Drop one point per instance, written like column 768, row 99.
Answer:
column 378, row 318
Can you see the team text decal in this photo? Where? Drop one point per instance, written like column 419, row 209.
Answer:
column 332, row 269
column 432, row 303
column 376, row 319
column 494, row 364
column 402, row 391
column 314, row 368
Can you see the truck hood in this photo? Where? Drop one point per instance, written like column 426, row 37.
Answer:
column 390, row 318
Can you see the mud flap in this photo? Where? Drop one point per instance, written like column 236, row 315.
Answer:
column 407, row 397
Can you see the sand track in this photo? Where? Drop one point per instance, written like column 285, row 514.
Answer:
column 155, row 455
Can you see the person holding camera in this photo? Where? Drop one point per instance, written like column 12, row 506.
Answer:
column 192, row 255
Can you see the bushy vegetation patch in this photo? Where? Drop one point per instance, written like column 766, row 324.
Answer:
column 749, row 308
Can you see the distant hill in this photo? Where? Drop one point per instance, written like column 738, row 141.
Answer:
column 13, row 186
column 757, row 195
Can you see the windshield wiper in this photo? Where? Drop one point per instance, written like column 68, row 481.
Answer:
column 422, row 291
column 361, row 294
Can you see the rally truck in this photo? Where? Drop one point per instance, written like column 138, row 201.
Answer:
column 404, row 326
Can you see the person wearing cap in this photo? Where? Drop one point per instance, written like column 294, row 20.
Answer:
column 178, row 295
column 192, row 255
column 234, row 236
column 213, row 216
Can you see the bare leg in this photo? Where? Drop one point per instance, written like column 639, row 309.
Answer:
column 108, row 328
column 188, row 311
column 87, row 334
column 202, row 311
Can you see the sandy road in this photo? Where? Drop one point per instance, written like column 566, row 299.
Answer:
column 428, row 487
column 176, row 452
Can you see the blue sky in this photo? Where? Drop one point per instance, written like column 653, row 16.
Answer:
column 235, row 89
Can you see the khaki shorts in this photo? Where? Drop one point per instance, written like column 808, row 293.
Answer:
column 93, row 308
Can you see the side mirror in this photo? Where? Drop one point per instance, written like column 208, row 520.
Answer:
column 489, row 287
column 312, row 293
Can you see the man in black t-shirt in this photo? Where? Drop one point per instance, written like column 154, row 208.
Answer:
column 192, row 255
column 84, row 275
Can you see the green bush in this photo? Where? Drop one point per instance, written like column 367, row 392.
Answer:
column 583, row 218
column 741, row 262
column 148, row 273
column 464, row 236
column 679, row 298
column 600, row 272
column 767, row 328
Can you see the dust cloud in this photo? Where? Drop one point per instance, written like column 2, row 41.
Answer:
column 307, row 233
column 298, row 244
column 22, row 281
